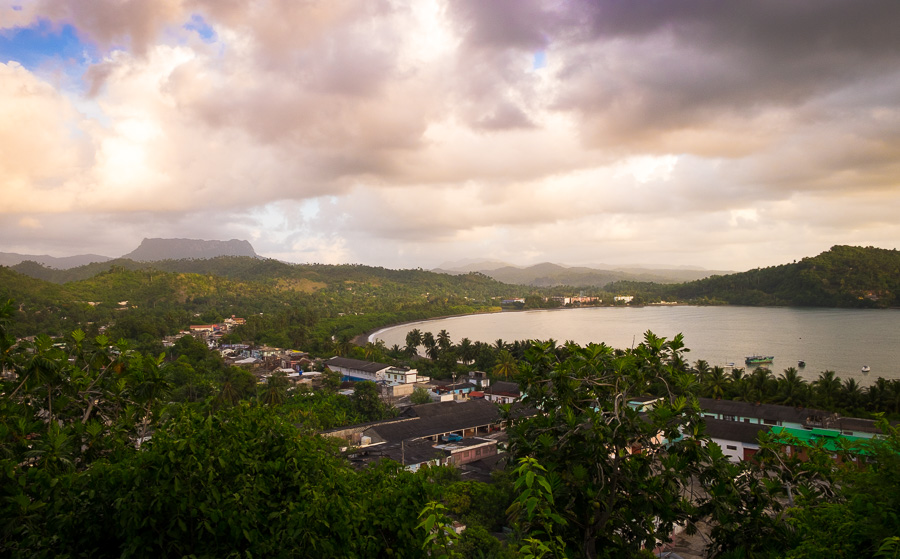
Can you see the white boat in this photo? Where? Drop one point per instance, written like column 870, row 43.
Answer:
column 866, row 368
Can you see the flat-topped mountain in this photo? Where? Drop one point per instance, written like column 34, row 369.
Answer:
column 152, row 250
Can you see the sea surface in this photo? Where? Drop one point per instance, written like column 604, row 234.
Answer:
column 841, row 340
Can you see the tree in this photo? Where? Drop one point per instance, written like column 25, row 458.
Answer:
column 716, row 383
column 506, row 365
column 443, row 340
column 792, row 389
column 420, row 396
column 466, row 350
column 275, row 390
column 367, row 401
column 414, row 339
column 624, row 479
column 827, row 389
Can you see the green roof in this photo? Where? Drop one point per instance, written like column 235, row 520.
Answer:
column 812, row 437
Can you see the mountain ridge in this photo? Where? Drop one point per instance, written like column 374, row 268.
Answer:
column 154, row 249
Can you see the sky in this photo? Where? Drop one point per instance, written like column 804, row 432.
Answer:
column 404, row 134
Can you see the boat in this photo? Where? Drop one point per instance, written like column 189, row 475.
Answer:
column 866, row 368
column 801, row 363
column 759, row 359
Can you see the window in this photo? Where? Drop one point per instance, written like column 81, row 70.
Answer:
column 728, row 417
column 477, row 452
column 730, row 447
column 769, row 422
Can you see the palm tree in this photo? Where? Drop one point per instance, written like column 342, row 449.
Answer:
column 443, row 340
column 506, row 364
column 431, row 348
column 342, row 346
column 792, row 389
column 701, row 369
column 276, row 387
column 716, row 383
column 466, row 350
column 414, row 338
column 762, row 382
column 878, row 395
column 851, row 394
column 827, row 388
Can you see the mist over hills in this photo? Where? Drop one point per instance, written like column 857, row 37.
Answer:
column 60, row 263
column 150, row 250
column 548, row 274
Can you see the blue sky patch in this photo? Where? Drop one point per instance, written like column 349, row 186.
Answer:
column 36, row 45
column 205, row 30
column 539, row 61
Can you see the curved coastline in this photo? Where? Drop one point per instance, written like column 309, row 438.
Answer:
column 369, row 336
column 841, row 340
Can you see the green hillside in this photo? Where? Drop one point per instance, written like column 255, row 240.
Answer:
column 843, row 276
column 286, row 305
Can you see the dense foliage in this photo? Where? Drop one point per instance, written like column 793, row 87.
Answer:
column 300, row 306
column 844, row 276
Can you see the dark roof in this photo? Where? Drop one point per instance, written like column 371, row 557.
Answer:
column 503, row 387
column 764, row 411
column 735, row 430
column 357, row 364
column 438, row 418
column 407, row 453
column 857, row 424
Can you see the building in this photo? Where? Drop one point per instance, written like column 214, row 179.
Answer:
column 503, row 392
column 357, row 370
column 739, row 441
column 440, row 433
column 395, row 375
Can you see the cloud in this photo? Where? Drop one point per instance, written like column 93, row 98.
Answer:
column 426, row 131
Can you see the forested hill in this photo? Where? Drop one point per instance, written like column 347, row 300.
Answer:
column 843, row 276
column 315, row 301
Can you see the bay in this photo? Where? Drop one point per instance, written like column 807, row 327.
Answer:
column 841, row 340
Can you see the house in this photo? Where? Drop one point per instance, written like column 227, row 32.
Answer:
column 440, row 433
column 233, row 321
column 356, row 369
column 455, row 389
column 465, row 418
column 468, row 450
column 503, row 392
column 479, row 379
column 797, row 441
column 766, row 414
column 739, row 441
column 643, row 403
column 401, row 376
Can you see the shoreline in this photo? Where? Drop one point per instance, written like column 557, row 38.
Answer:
column 369, row 335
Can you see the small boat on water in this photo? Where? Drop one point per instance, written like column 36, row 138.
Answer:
column 866, row 368
column 759, row 359
column 801, row 363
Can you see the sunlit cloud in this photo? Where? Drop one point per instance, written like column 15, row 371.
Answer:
column 407, row 134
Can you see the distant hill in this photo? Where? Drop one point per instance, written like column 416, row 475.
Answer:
column 152, row 250
column 60, row 263
column 548, row 274
column 843, row 276
column 468, row 266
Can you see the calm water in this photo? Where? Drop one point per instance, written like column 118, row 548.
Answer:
column 841, row 340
